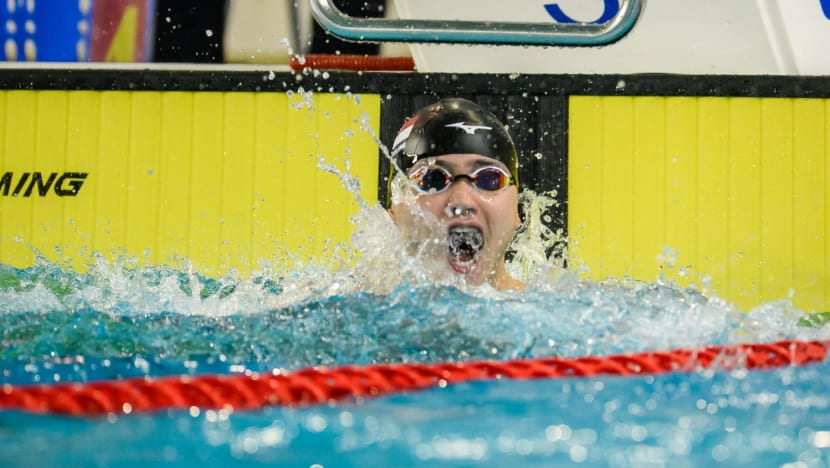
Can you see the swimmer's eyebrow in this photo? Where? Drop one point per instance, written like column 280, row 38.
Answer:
column 473, row 164
column 487, row 162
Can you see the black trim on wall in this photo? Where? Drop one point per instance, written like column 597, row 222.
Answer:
column 221, row 78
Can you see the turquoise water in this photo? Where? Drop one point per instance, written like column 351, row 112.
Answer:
column 778, row 418
column 121, row 319
column 167, row 315
column 116, row 321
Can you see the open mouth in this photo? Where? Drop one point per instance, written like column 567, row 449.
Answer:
column 464, row 243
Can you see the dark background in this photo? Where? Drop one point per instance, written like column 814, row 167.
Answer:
column 181, row 26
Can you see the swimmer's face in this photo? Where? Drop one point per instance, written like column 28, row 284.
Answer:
column 478, row 224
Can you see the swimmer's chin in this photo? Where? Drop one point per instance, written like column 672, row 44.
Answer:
column 470, row 270
column 464, row 268
column 473, row 275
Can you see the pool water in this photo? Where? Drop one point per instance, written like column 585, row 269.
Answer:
column 115, row 322
column 751, row 419
column 121, row 319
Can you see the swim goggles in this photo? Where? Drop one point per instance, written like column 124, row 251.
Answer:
column 436, row 179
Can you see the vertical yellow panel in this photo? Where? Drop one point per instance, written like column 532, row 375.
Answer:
column 352, row 144
column 713, row 194
column 649, row 184
column 50, row 141
column 268, row 222
column 113, row 174
column 179, row 174
column 300, row 210
column 681, row 184
column 237, row 181
column 142, row 189
column 744, row 201
column 776, row 199
column 16, row 231
column 618, row 186
column 826, row 231
column 204, row 234
column 175, row 175
column 809, row 192
column 341, row 141
column 331, row 126
column 585, row 184
column 3, row 94
column 363, row 147
column 3, row 238
column 82, row 149
column 745, row 192
column 315, row 206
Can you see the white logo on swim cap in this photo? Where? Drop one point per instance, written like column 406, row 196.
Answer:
column 469, row 129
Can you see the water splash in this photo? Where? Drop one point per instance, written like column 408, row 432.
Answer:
column 381, row 298
column 540, row 254
column 316, row 317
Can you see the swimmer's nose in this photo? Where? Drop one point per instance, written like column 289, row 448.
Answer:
column 459, row 211
column 460, row 201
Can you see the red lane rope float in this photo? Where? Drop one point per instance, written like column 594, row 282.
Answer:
column 321, row 385
column 351, row 62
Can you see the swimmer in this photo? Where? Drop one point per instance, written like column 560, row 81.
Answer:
column 461, row 187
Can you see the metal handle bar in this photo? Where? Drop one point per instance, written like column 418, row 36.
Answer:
column 475, row 32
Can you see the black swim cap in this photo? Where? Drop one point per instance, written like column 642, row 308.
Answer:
column 454, row 126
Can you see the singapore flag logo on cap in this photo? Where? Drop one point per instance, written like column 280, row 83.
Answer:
column 403, row 135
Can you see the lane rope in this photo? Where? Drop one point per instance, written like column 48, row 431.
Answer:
column 324, row 385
